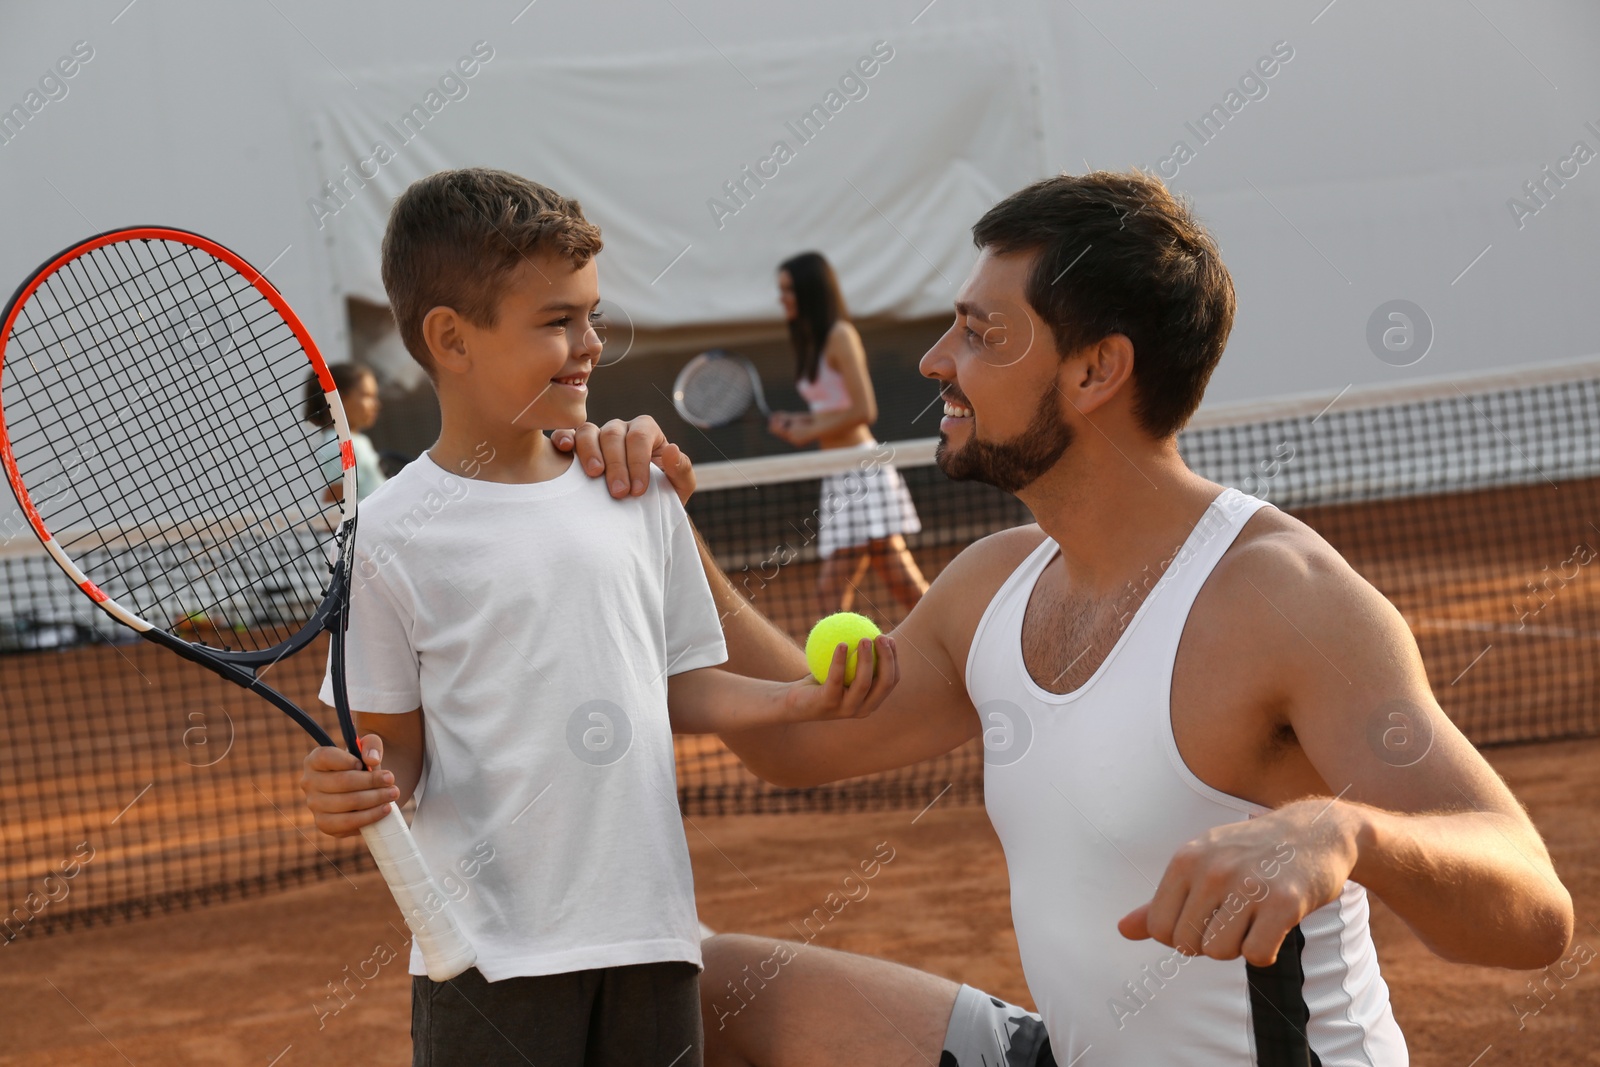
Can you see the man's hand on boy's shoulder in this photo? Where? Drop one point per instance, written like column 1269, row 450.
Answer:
column 624, row 452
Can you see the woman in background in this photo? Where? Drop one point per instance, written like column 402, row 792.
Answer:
column 358, row 392
column 866, row 511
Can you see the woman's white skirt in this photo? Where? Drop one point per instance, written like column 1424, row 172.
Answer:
column 859, row 506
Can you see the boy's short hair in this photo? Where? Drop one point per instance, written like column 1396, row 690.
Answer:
column 1154, row 275
column 455, row 237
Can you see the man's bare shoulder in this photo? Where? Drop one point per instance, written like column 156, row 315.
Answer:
column 1282, row 584
column 984, row 565
column 948, row 614
column 1279, row 550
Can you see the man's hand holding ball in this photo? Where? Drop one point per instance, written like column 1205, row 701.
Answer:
column 854, row 667
column 841, row 628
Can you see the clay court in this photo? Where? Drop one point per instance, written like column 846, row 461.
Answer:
column 246, row 982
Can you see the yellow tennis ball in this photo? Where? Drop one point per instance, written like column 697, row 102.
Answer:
column 845, row 627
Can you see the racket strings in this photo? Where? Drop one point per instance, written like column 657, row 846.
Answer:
column 152, row 395
column 22, row 329
column 207, row 577
column 717, row 391
column 252, row 575
column 172, row 395
column 153, row 392
column 80, row 298
column 83, row 296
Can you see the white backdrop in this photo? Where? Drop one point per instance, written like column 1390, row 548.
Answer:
column 1379, row 161
column 806, row 156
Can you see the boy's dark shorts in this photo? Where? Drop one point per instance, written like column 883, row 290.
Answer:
column 642, row 1015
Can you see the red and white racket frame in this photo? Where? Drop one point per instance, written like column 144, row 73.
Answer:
column 264, row 287
column 445, row 949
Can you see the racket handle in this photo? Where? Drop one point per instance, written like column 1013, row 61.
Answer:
column 445, row 950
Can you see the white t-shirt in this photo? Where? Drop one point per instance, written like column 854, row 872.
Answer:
column 536, row 625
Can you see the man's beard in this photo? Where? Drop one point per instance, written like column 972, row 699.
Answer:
column 1010, row 465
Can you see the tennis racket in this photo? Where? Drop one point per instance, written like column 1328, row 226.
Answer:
column 150, row 427
column 716, row 388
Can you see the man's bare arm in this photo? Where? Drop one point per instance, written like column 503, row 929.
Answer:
column 927, row 714
column 711, row 700
column 1408, row 807
column 1432, row 822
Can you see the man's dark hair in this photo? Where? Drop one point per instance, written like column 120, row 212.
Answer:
column 455, row 237
column 1117, row 253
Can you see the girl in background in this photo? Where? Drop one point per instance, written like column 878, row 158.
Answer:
column 865, row 512
column 358, row 392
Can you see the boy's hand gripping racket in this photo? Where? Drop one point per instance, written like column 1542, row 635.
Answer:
column 150, row 426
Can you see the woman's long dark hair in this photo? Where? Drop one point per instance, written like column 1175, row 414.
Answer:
column 818, row 305
column 345, row 376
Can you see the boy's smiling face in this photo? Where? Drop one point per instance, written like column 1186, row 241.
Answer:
column 531, row 368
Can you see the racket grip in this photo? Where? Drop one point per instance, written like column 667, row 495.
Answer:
column 445, row 949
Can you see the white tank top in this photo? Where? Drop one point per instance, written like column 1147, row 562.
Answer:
column 1091, row 799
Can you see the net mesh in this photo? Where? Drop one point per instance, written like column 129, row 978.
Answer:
column 1473, row 510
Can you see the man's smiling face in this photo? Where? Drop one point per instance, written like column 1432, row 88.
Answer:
column 997, row 367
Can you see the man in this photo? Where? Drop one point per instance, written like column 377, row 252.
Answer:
column 1185, row 696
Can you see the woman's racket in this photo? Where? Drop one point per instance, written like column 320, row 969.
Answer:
column 150, row 425
column 716, row 388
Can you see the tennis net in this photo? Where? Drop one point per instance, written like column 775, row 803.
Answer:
column 132, row 782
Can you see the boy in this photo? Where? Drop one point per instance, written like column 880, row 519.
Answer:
column 518, row 642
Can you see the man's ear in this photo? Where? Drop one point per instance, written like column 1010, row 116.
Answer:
column 447, row 344
column 1099, row 371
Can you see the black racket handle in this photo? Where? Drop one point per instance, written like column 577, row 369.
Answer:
column 1278, row 1008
